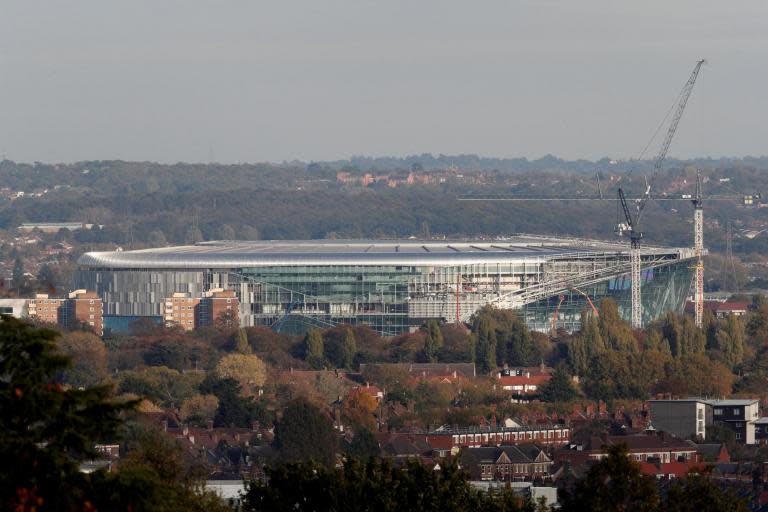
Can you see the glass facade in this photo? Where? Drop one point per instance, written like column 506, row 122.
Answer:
column 391, row 290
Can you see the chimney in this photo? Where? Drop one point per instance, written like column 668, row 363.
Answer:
column 209, row 425
column 184, row 430
column 165, row 425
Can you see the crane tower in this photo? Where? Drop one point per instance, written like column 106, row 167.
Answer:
column 698, row 246
column 631, row 226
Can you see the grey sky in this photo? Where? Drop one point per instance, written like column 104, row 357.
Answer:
column 319, row 80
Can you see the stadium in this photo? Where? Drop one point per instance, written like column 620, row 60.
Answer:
column 393, row 286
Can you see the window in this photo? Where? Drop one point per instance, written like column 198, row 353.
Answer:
column 718, row 412
column 738, row 435
column 736, row 412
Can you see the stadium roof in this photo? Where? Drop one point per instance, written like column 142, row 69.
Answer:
column 241, row 254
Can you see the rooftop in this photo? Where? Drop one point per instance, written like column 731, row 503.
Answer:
column 228, row 254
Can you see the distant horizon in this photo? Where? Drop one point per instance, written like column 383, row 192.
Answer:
column 414, row 156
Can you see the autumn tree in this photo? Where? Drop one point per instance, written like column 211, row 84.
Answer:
column 89, row 358
column 615, row 331
column 248, row 370
column 199, row 409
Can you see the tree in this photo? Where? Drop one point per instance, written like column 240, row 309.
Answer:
column 199, row 408
column 313, row 349
column 248, row 370
column 241, row 342
column 45, row 431
column 157, row 238
column 486, row 346
column 615, row 332
column 698, row 493
column 433, row 341
column 375, row 485
column 227, row 232
column 89, row 358
column 340, row 346
column 17, row 275
column 364, row 445
column 234, row 409
column 615, row 483
column 559, row 388
column 305, row 433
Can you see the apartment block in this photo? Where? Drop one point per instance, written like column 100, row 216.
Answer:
column 81, row 307
column 44, row 309
column 219, row 307
column 695, row 418
column 182, row 310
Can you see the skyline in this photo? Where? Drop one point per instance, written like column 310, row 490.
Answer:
column 272, row 82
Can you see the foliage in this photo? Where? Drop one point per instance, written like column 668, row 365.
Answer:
column 433, row 341
column 374, row 486
column 88, row 358
column 247, row 369
column 615, row 483
column 161, row 385
column 305, row 433
column 313, row 349
column 559, row 388
column 199, row 409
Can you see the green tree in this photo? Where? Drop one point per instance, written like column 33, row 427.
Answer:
column 615, row 331
column 486, row 345
column 364, row 445
column 17, row 274
column 559, row 388
column 696, row 493
column 615, row 483
column 46, row 431
column 305, row 433
column 241, row 342
column 313, row 349
column 375, row 486
column 433, row 341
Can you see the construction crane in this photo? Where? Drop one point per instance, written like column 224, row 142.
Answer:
column 631, row 225
column 698, row 247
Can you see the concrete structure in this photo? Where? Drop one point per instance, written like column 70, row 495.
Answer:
column 54, row 227
column 393, row 286
column 17, row 308
column 695, row 418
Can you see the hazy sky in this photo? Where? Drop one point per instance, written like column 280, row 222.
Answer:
column 320, row 80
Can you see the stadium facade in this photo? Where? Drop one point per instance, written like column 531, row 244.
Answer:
column 392, row 286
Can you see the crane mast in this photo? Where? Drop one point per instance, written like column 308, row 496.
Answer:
column 698, row 246
column 631, row 226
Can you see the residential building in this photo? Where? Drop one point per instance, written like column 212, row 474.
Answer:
column 440, row 371
column 44, row 309
column 524, row 381
column 82, row 307
column 721, row 309
column 695, row 418
column 219, row 307
column 543, row 435
column 659, row 454
column 54, row 227
column 181, row 310
column 520, row 463
column 761, row 431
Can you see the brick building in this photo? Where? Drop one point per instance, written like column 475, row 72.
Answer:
column 219, row 307
column 521, row 463
column 80, row 308
column 180, row 309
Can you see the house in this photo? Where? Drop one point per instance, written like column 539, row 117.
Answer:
column 450, row 371
column 696, row 418
column 659, row 454
column 521, row 463
column 492, row 435
column 761, row 431
column 720, row 309
column 524, row 381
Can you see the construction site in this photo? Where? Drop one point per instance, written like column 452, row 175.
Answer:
column 395, row 286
